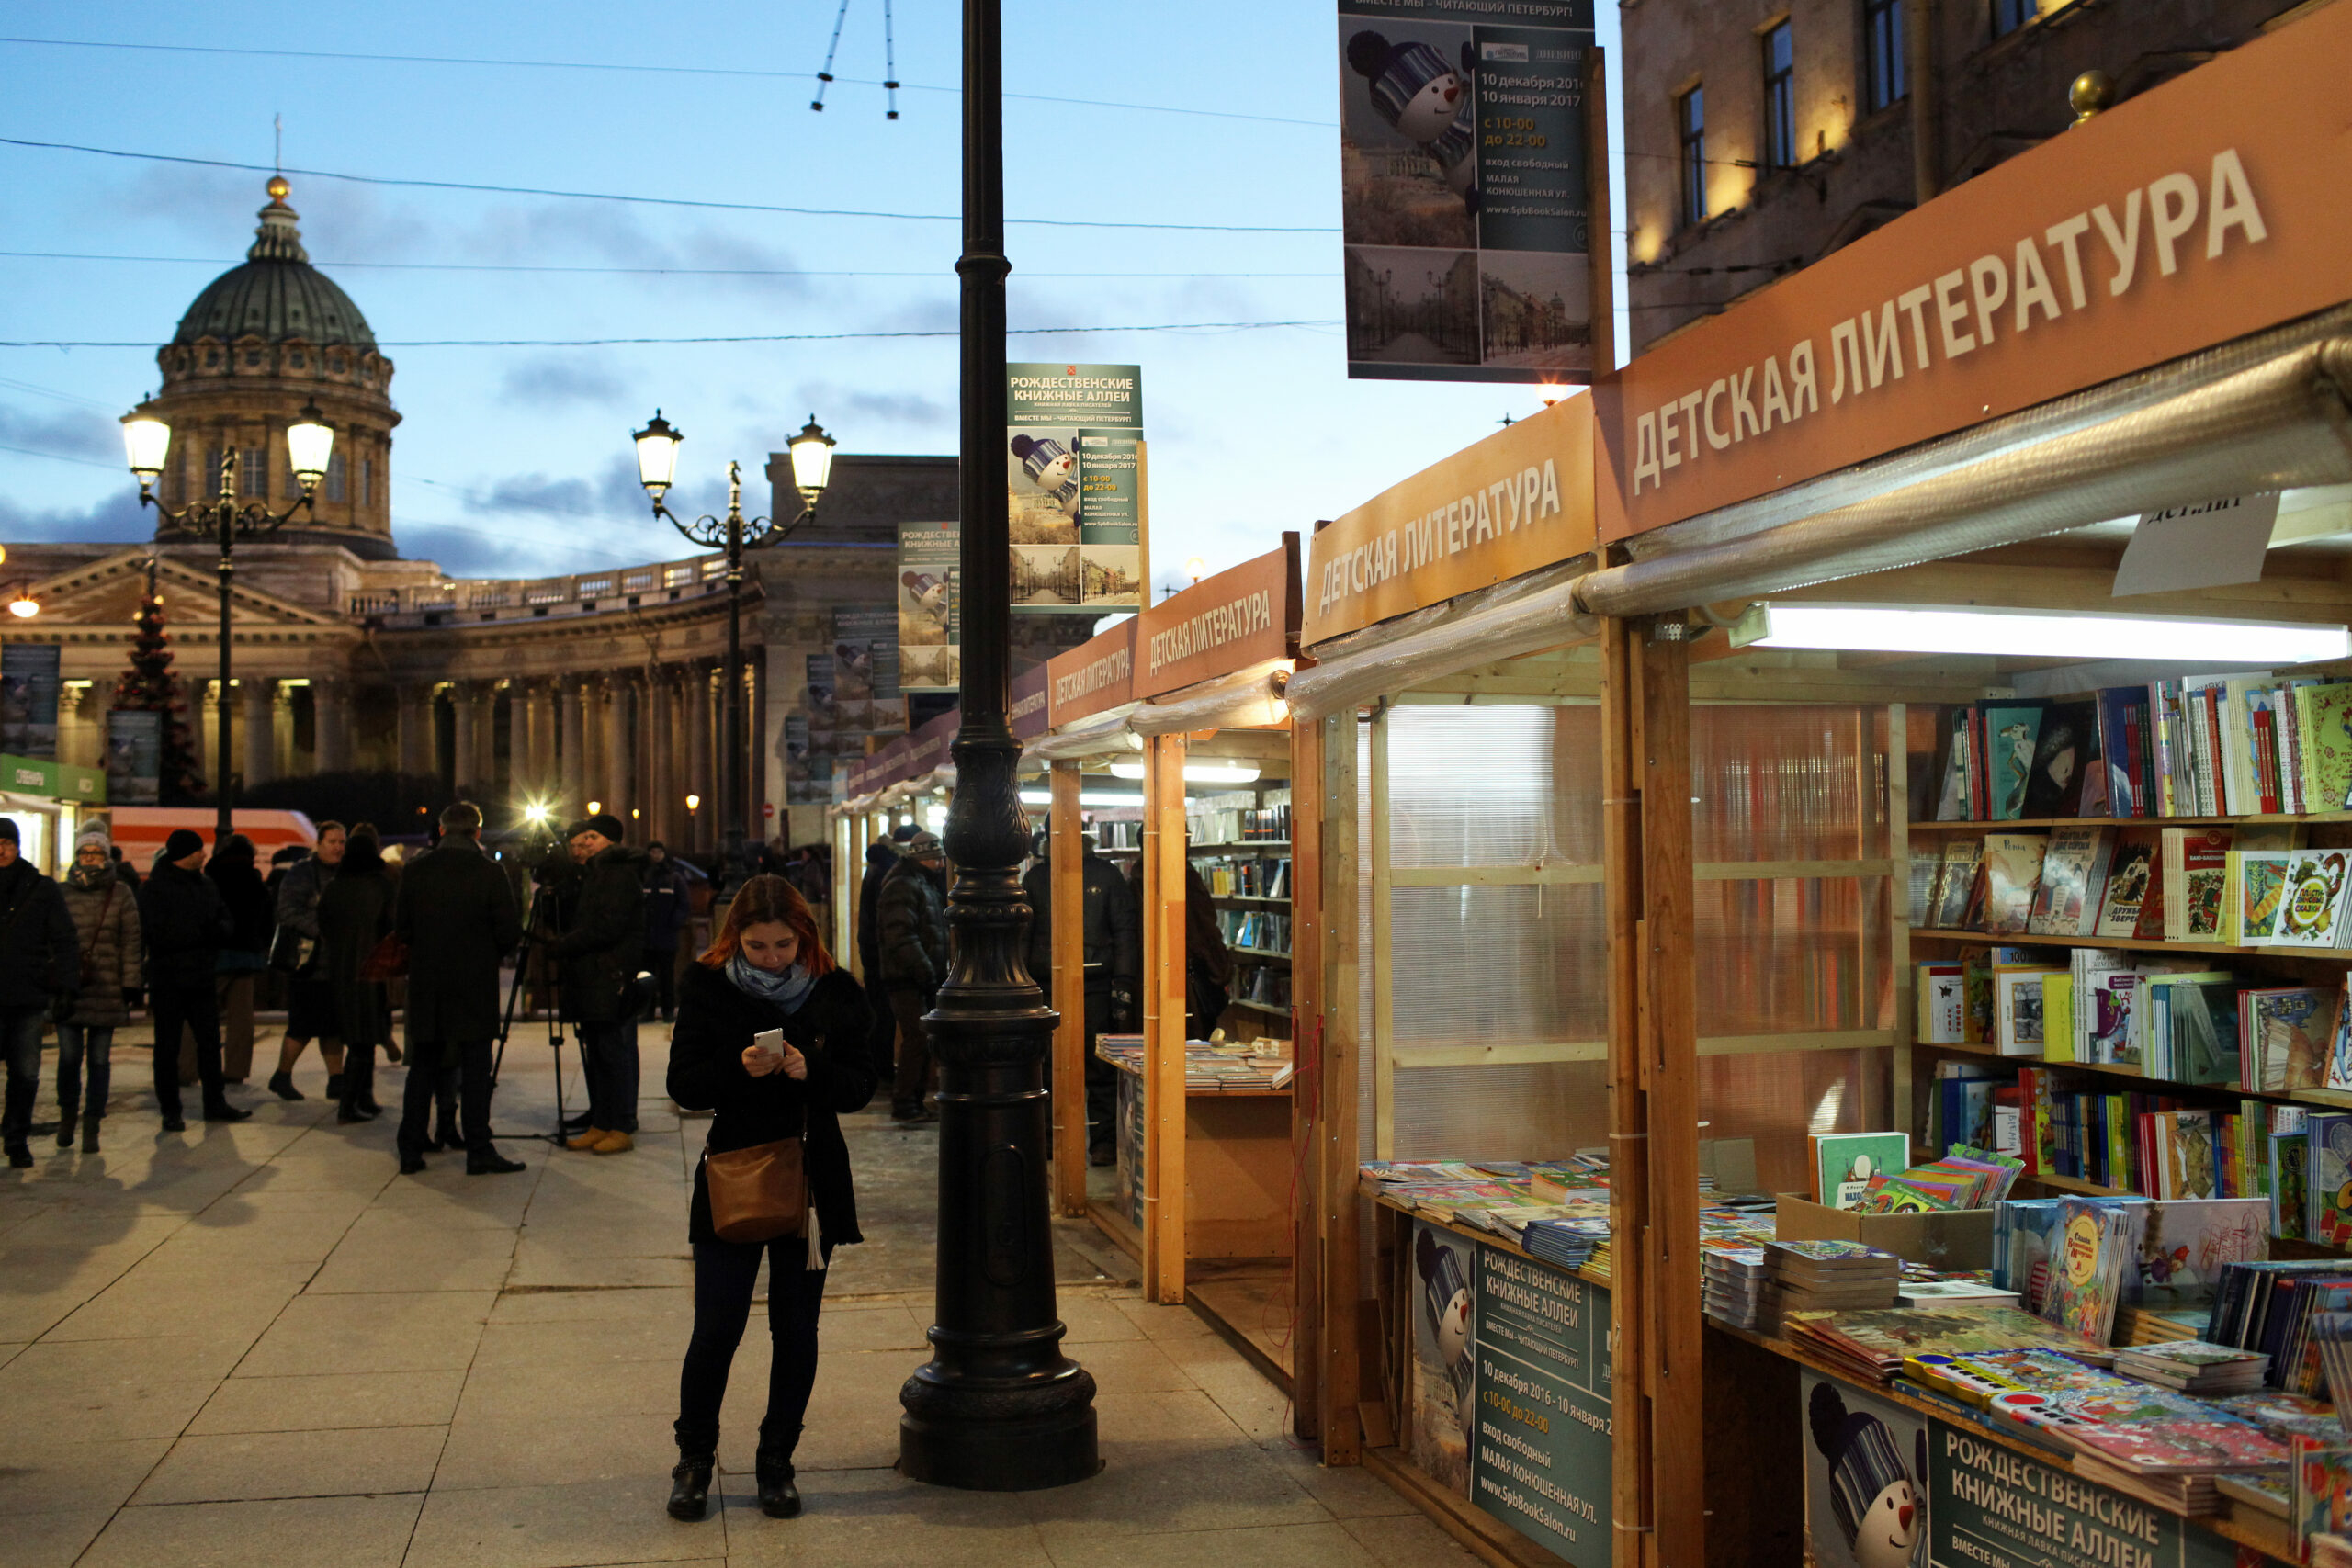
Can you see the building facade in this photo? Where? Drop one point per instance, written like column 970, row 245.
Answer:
column 1760, row 135
column 601, row 686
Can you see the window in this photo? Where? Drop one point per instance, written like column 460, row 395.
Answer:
column 1780, row 99
column 367, row 482
column 1883, row 79
column 338, row 478
column 1690, row 128
column 253, row 472
column 211, row 472
column 2008, row 15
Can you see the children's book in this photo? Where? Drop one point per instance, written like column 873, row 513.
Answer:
column 2128, row 874
column 1844, row 1163
column 1936, row 990
column 2012, row 877
column 2289, row 1185
column 2097, row 1241
column 1961, row 856
column 2065, row 755
column 2073, row 874
column 2311, row 912
column 2196, row 870
column 2324, row 729
column 2189, row 1241
column 2018, row 1008
column 2012, row 735
column 2289, row 1033
column 2328, row 1214
column 2261, row 893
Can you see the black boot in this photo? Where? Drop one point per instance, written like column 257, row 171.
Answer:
column 690, row 1484
column 90, row 1134
column 21, row 1159
column 66, row 1110
column 779, row 1498
column 281, row 1084
column 335, row 1086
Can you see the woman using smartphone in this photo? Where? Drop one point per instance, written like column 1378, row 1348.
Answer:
column 771, row 1038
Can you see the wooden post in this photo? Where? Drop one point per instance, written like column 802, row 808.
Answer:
column 1671, row 1045
column 1306, row 939
column 1898, row 907
column 1164, row 1107
column 1629, row 1193
column 1338, row 1028
column 1383, row 987
column 1068, row 988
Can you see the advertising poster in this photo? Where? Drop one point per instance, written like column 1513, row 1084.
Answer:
column 928, row 628
column 1074, row 479
column 865, row 652
column 1463, row 152
column 134, row 757
column 1990, row 1504
column 1865, row 1479
column 1539, row 1450
column 1444, row 1367
column 807, row 778
column 29, row 683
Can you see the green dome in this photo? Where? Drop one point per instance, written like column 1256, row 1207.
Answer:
column 277, row 295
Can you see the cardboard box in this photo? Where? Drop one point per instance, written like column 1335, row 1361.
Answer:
column 1955, row 1241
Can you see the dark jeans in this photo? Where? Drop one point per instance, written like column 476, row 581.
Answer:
column 20, row 1039
column 912, row 1080
column 608, row 1061
column 77, row 1043
column 427, row 1080
column 197, row 1009
column 664, row 963
column 725, row 1273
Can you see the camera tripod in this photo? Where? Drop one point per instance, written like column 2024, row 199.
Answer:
column 541, row 900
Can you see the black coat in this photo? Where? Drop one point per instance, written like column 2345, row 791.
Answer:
column 1113, row 925
column 455, row 910
column 253, row 913
column 668, row 905
column 39, row 955
column 185, row 922
column 715, row 1023
column 355, row 913
column 879, row 858
column 913, row 928
column 600, row 952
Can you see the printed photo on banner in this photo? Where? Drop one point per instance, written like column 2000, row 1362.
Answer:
column 1073, row 473
column 1865, row 1479
column 1463, row 152
column 1444, row 1367
column 928, row 554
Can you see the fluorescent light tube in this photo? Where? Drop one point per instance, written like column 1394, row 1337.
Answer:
column 2030, row 633
column 1196, row 773
column 1085, row 797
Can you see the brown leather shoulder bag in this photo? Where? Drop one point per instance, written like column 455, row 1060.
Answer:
column 759, row 1193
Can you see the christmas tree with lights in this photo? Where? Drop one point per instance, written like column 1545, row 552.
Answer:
column 148, row 686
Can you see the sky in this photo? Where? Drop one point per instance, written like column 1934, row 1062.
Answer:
column 515, row 460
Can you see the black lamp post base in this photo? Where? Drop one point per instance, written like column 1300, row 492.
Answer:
column 1023, row 1438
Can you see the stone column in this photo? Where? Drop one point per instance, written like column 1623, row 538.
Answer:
column 573, row 743
column 617, row 784
column 413, row 745
column 257, row 712
column 97, row 705
column 330, row 726
column 200, row 724
column 665, row 806
column 484, row 697
column 699, row 778
column 465, row 755
column 284, row 761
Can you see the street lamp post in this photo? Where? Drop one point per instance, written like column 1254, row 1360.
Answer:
column 310, row 441
column 657, row 468
column 998, row 1407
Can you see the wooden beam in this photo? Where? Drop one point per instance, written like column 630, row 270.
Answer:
column 1340, row 1027
column 1164, row 1109
column 1671, row 1270
column 1307, row 946
column 1383, row 987
column 1067, row 893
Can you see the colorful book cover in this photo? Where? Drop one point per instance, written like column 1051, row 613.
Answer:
column 2328, row 1211
column 2097, row 1239
column 2012, row 735
column 2012, row 877
column 1844, row 1163
column 2291, row 1032
column 2063, row 756
column 2066, row 872
column 1937, row 989
column 2189, row 1241
column 2324, row 719
column 2183, row 1444
column 2128, row 874
column 2322, row 1491
column 2185, row 1154
column 2018, row 1008
column 2196, row 874
column 2312, row 908
column 2261, row 893
column 2289, row 1159
column 1961, row 859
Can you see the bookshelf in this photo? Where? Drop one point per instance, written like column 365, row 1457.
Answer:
column 1240, row 846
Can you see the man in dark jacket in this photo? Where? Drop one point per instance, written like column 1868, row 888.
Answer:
column 1112, row 938
column 39, row 962
column 185, row 922
column 596, row 960
column 880, row 856
column 668, row 907
column 455, row 910
column 912, row 927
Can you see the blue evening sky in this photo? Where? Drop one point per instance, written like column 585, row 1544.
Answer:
column 515, row 460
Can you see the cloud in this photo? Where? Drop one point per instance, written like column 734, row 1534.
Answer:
column 840, row 408
column 115, row 518
column 73, row 433
column 561, row 381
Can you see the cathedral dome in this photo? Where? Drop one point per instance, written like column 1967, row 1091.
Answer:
column 278, row 296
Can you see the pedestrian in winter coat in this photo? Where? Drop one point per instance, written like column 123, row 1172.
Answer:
column 1112, row 927
column 1208, row 962
column 912, row 925
column 184, row 922
column 880, row 856
column 310, row 1001
column 455, row 910
column 38, row 964
column 767, row 970
column 105, row 911
column 355, row 913
column 252, row 916
column 596, row 960
column 669, row 904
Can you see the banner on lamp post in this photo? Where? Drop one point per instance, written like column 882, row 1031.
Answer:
column 28, row 687
column 134, row 757
column 1075, row 486
column 928, row 627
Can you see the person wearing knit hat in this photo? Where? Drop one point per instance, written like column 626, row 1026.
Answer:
column 598, row 957
column 912, row 922
column 105, row 910
column 183, row 920
column 39, row 962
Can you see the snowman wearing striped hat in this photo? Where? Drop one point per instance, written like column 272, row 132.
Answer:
column 1427, row 99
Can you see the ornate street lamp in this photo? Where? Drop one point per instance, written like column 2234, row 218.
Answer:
column 998, row 1407
column 657, row 469
column 147, row 441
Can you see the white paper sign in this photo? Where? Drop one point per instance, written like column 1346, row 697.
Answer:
column 2206, row 545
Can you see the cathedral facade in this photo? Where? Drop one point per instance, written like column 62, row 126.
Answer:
column 603, row 685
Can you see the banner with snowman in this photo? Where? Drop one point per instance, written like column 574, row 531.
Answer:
column 1466, row 145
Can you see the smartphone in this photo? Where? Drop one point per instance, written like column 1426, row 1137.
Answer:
column 769, row 1039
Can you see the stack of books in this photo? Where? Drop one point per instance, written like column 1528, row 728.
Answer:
column 2271, row 1304
column 2191, row 1366
column 1875, row 1344
column 1966, row 1291
column 1827, row 1276
column 1565, row 1244
column 1734, row 1285
column 2175, row 1460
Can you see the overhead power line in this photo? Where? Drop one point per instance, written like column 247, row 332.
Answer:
column 642, row 200
column 652, row 70
column 945, row 273
column 744, row 337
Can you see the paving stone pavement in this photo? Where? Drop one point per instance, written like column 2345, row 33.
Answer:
column 249, row 1345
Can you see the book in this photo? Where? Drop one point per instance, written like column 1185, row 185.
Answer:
column 1877, row 1341
column 2064, row 754
column 1936, row 992
column 2073, row 875
column 2324, row 735
column 2287, row 1035
column 2018, row 1008
column 2012, row 735
column 2290, row 1159
column 1953, row 795
column 2012, row 877
column 2328, row 1211
column 2312, row 909
column 2188, row 1242
column 2196, row 871
column 1843, row 1164
column 2128, row 874
column 1961, row 856
column 2098, row 1239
